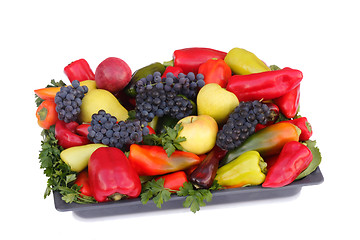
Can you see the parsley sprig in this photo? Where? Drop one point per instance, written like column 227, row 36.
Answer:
column 169, row 139
column 60, row 176
column 195, row 198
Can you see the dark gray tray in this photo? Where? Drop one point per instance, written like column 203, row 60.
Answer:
column 129, row 206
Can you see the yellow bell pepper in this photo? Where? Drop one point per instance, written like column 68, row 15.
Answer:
column 243, row 62
column 247, row 169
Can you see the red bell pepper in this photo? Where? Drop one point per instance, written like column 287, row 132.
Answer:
column 153, row 160
column 82, row 180
column 173, row 70
column 305, row 127
column 294, row 158
column 189, row 59
column 203, row 176
column 111, row 175
column 289, row 102
column 215, row 71
column 46, row 114
column 174, row 181
column 82, row 129
column 79, row 70
column 264, row 85
column 66, row 136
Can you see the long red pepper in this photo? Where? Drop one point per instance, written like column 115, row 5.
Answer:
column 294, row 158
column 66, row 136
column 289, row 102
column 305, row 127
column 264, row 85
column 174, row 180
column 189, row 59
column 153, row 160
column 79, row 70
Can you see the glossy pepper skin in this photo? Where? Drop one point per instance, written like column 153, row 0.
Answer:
column 79, row 70
column 111, row 175
column 215, row 71
column 66, row 136
column 189, row 59
column 268, row 141
column 294, row 158
column 289, row 102
column 305, row 127
column 247, row 169
column 174, row 181
column 173, row 70
column 264, row 85
column 243, row 62
column 203, row 176
column 82, row 180
column 153, row 160
column 46, row 114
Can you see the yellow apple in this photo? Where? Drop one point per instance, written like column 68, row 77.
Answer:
column 217, row 102
column 200, row 133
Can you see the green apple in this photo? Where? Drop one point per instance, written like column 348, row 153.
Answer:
column 217, row 102
column 78, row 157
column 200, row 133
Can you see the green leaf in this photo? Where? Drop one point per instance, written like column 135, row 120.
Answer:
column 155, row 189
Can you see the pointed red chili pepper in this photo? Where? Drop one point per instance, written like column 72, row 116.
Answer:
column 294, row 158
column 305, row 127
column 66, row 136
column 289, row 103
column 173, row 70
column 264, row 85
column 82, row 180
column 153, row 160
column 174, row 180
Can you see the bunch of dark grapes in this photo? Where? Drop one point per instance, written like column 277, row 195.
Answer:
column 68, row 101
column 167, row 96
column 106, row 130
column 241, row 124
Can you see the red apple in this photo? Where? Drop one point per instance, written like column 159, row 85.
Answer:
column 112, row 74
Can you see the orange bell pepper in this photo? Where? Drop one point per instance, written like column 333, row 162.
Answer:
column 46, row 114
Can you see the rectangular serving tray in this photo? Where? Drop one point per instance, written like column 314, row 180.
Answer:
column 128, row 206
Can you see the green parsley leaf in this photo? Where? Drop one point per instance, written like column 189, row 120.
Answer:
column 155, row 189
column 169, row 140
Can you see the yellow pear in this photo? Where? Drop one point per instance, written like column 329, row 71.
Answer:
column 91, row 84
column 217, row 102
column 98, row 99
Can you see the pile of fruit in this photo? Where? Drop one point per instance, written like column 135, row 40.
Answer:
column 206, row 120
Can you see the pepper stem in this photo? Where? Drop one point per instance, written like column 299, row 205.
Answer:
column 116, row 196
column 168, row 63
column 263, row 165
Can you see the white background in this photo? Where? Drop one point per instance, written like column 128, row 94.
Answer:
column 320, row 38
